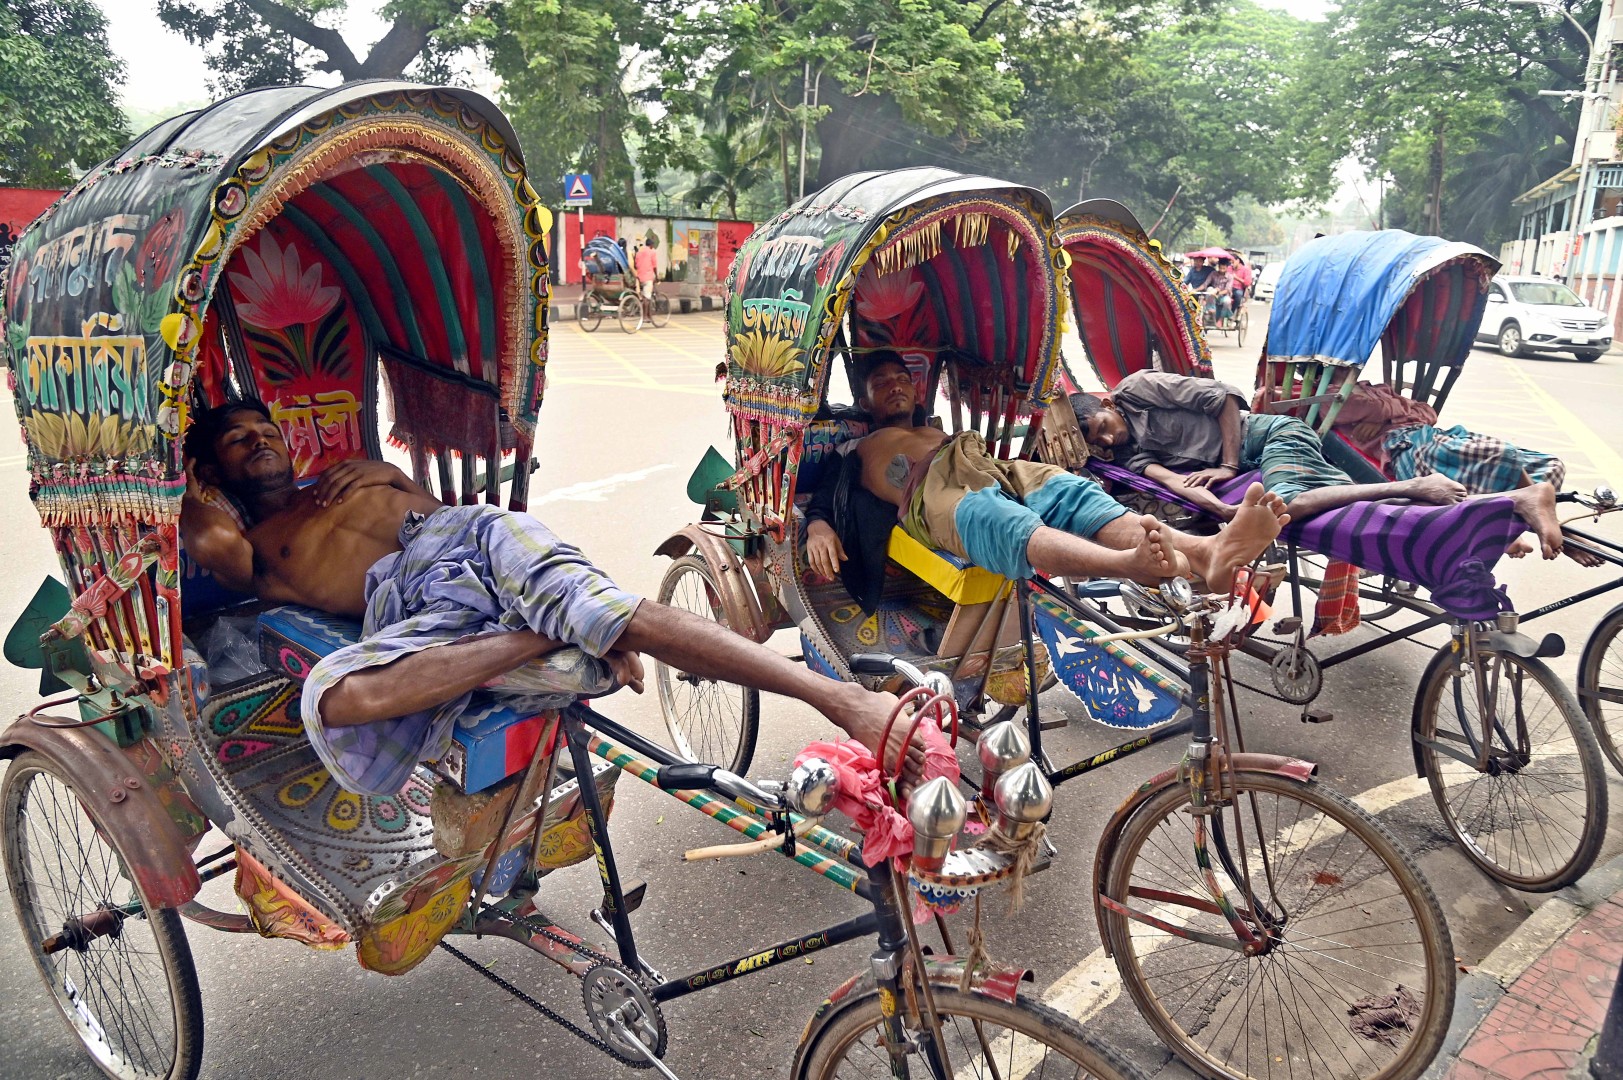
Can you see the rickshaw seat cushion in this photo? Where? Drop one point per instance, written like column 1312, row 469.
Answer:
column 492, row 740
column 959, row 580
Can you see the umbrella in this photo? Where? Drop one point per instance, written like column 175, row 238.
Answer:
column 1210, row 253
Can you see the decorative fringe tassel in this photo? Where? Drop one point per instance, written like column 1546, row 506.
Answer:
column 1024, row 852
column 971, row 230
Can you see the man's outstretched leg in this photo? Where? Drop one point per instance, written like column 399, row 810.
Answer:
column 1143, row 549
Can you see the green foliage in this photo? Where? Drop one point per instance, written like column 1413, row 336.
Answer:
column 58, row 80
column 1446, row 93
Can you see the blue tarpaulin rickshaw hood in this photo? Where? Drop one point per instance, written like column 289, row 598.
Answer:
column 1338, row 294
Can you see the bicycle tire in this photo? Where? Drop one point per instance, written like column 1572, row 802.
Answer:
column 965, row 1018
column 1472, row 810
column 660, row 311
column 1241, row 321
column 151, row 950
column 1192, row 1008
column 590, row 315
column 630, row 313
column 1600, row 671
column 704, row 723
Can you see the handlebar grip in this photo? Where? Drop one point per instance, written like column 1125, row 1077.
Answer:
column 684, row 777
column 872, row 664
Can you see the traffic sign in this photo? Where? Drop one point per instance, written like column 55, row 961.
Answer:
column 577, row 189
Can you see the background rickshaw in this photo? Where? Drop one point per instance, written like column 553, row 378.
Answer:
column 1419, row 299
column 311, row 247
column 965, row 277
column 607, row 288
column 1238, row 320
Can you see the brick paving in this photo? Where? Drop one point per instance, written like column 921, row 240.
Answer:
column 1548, row 1016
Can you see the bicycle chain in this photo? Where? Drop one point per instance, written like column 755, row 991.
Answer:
column 551, row 935
column 557, row 1018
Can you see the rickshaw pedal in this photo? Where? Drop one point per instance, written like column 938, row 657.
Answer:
column 634, row 892
column 1288, row 625
column 1054, row 723
column 1317, row 716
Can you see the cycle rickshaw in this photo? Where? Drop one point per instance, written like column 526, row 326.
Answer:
column 965, row 276
column 1508, row 754
column 307, row 246
column 1238, row 319
column 610, row 289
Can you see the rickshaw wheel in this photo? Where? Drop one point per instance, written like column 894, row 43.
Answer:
column 660, row 310
column 1241, row 321
column 1535, row 817
column 130, row 993
column 710, row 721
column 1600, row 683
column 590, row 314
column 630, row 312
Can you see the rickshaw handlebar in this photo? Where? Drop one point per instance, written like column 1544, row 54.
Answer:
column 687, row 777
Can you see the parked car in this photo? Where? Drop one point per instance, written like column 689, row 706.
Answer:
column 1268, row 280
column 1538, row 315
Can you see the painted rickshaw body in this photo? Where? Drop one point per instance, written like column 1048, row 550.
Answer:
column 958, row 274
column 1417, row 301
column 309, row 248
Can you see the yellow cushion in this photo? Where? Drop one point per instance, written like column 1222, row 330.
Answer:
column 960, row 581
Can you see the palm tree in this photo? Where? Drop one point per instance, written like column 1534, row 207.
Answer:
column 731, row 165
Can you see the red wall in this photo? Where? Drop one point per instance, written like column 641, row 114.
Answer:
column 19, row 205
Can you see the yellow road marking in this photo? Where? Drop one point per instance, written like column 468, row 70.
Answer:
column 1605, row 460
column 641, row 375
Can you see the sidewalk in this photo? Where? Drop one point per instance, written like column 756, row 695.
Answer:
column 1532, row 1009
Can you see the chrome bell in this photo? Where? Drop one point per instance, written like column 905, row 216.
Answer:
column 1023, row 797
column 811, row 788
column 939, row 682
column 1178, row 594
column 936, row 811
column 1001, row 747
column 1605, row 496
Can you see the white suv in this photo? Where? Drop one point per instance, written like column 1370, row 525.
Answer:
column 1534, row 314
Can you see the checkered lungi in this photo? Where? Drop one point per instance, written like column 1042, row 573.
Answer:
column 1481, row 462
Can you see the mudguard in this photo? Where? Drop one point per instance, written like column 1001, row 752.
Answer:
column 990, row 981
column 154, row 851
column 739, row 602
column 1275, row 764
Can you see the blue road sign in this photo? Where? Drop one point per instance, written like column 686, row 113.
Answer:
column 577, row 189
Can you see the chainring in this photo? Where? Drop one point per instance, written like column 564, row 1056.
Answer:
column 1296, row 674
column 608, row 987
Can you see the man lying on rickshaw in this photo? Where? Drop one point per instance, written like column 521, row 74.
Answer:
column 453, row 598
column 1190, row 433
column 1012, row 517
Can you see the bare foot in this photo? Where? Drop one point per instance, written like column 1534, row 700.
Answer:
column 1156, row 557
column 1581, row 555
column 1520, row 548
column 1436, row 489
column 1257, row 521
column 1535, row 504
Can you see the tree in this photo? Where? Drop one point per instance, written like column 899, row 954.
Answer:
column 58, row 80
column 1419, row 89
column 268, row 42
column 732, row 165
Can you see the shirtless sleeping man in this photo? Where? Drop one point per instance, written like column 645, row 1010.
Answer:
column 1013, row 517
column 1191, row 433
column 452, row 599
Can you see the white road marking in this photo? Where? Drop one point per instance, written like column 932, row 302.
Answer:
column 597, row 490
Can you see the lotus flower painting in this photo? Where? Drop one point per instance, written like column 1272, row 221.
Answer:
column 277, row 291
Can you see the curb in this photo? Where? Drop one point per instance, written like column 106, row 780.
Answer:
column 1482, row 989
column 564, row 311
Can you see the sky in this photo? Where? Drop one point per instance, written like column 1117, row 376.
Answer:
column 163, row 69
